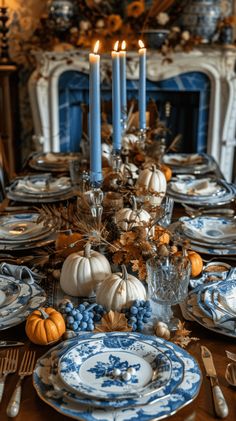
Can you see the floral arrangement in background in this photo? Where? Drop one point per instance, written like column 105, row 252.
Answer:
column 111, row 20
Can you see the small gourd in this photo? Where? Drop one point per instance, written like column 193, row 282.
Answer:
column 167, row 171
column 45, row 326
column 195, row 261
column 153, row 181
column 120, row 290
column 162, row 330
column 82, row 271
column 128, row 218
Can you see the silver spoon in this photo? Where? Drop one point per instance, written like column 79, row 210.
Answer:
column 230, row 374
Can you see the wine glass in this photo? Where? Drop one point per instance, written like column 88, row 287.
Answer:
column 168, row 281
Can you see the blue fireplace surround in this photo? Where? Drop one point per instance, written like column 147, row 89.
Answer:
column 188, row 93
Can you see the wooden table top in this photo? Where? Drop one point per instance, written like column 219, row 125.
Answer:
column 201, row 409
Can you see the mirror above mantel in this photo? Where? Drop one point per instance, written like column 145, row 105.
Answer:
column 214, row 67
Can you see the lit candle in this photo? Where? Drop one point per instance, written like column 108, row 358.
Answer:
column 95, row 117
column 123, row 96
column 116, row 106
column 142, row 85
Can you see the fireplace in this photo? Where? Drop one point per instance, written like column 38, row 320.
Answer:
column 200, row 86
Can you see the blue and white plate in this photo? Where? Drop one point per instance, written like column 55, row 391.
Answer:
column 9, row 292
column 210, row 229
column 21, row 298
column 204, row 315
column 60, row 390
column 90, row 368
column 37, row 298
column 184, row 394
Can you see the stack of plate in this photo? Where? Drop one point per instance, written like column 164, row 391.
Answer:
column 117, row 375
column 214, row 306
column 200, row 191
column 17, row 300
column 40, row 188
column 183, row 163
column 22, row 231
column 53, row 161
column 209, row 234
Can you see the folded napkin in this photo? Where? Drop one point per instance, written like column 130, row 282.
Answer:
column 201, row 187
column 20, row 273
column 187, row 160
column 46, row 185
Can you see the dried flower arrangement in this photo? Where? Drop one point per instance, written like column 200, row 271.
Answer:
column 112, row 20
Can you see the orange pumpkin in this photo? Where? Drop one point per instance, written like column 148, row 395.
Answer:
column 44, row 326
column 65, row 242
column 195, row 260
column 196, row 263
column 167, row 171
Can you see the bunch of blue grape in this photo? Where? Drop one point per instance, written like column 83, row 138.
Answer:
column 82, row 317
column 138, row 314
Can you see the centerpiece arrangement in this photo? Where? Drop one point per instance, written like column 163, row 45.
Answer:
column 119, row 222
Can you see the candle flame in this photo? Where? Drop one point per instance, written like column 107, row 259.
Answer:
column 141, row 44
column 96, row 47
column 123, row 45
column 116, row 46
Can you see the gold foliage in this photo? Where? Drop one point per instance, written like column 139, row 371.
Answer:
column 182, row 336
column 113, row 321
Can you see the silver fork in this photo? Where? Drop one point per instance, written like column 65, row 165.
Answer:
column 8, row 366
column 26, row 369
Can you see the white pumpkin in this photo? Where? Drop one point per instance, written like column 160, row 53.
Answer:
column 119, row 290
column 128, row 218
column 82, row 271
column 153, row 180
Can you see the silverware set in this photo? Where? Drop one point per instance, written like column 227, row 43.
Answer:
column 8, row 365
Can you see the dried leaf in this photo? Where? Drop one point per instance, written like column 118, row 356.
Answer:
column 182, row 337
column 113, row 321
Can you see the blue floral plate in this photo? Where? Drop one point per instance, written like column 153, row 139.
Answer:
column 167, row 403
column 23, row 306
column 109, row 369
column 60, row 390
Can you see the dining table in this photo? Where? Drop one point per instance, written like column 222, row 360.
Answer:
column 200, row 409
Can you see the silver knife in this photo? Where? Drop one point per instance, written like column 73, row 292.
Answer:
column 220, row 404
column 4, row 344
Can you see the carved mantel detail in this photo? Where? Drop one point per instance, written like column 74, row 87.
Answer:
column 217, row 63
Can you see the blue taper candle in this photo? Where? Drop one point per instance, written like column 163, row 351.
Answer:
column 123, row 94
column 116, row 105
column 95, row 117
column 142, row 85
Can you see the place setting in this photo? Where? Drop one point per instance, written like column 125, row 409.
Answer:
column 209, row 234
column 190, row 163
column 204, row 191
column 116, row 374
column 53, row 161
column 20, row 294
column 21, row 231
column 40, row 188
column 213, row 305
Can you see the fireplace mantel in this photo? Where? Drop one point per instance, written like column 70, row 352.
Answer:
column 217, row 63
